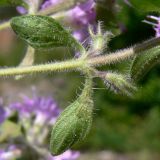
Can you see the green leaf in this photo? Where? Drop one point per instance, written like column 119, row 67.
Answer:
column 12, row 3
column 146, row 5
column 43, row 32
column 144, row 62
column 119, row 83
column 74, row 123
column 9, row 130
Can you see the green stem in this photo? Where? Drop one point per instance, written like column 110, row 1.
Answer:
column 57, row 66
column 4, row 25
column 78, row 64
column 63, row 5
column 112, row 58
column 81, row 63
column 28, row 59
column 147, row 45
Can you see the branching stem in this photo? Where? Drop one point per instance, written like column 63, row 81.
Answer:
column 81, row 63
column 75, row 64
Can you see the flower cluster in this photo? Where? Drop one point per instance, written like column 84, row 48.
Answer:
column 36, row 116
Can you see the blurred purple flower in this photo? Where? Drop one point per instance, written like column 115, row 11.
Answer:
column 156, row 26
column 68, row 155
column 45, row 112
column 12, row 152
column 44, row 109
column 83, row 14
column 48, row 3
column 4, row 112
column 21, row 10
column 80, row 16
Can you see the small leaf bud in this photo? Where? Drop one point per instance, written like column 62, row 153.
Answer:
column 118, row 83
column 99, row 40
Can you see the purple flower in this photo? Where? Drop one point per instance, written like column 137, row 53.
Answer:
column 4, row 112
column 36, row 115
column 68, row 155
column 156, row 26
column 12, row 152
column 21, row 10
column 79, row 17
column 83, row 14
column 48, row 3
column 45, row 110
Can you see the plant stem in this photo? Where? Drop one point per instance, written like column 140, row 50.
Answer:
column 28, row 59
column 125, row 54
column 82, row 63
column 147, row 45
column 112, row 58
column 4, row 25
column 75, row 64
column 57, row 66
column 61, row 6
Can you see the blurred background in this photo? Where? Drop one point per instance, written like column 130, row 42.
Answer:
column 124, row 128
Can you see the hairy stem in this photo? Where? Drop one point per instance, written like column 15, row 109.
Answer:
column 112, row 58
column 28, row 59
column 147, row 45
column 75, row 64
column 81, row 63
column 57, row 66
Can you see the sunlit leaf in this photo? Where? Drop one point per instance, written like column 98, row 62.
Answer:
column 9, row 130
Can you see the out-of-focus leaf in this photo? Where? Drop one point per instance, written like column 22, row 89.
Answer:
column 146, row 5
column 9, row 130
column 144, row 62
column 12, row 3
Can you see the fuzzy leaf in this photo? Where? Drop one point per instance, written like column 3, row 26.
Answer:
column 73, row 124
column 143, row 62
column 118, row 83
column 42, row 32
column 12, row 3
